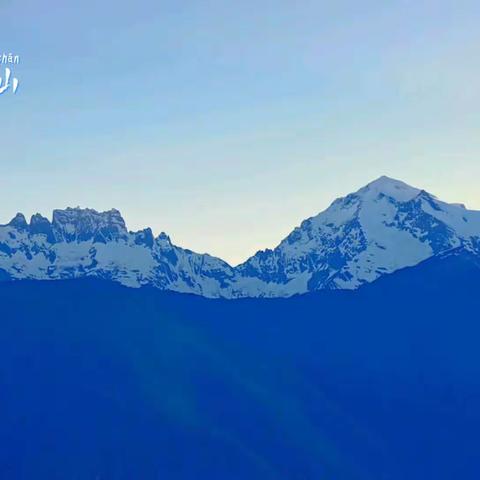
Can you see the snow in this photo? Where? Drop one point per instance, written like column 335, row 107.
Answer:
column 384, row 226
column 390, row 187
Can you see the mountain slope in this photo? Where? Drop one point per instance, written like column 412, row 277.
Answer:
column 384, row 226
column 83, row 242
column 102, row 381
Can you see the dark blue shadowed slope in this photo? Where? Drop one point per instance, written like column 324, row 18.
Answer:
column 98, row 381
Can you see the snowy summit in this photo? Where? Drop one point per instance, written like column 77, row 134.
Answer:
column 384, row 226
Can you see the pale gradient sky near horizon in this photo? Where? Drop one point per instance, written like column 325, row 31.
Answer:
column 226, row 123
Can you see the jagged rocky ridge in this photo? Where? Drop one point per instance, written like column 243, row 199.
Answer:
column 384, row 226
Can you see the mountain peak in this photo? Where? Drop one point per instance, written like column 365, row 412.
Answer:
column 86, row 223
column 164, row 240
column 390, row 187
column 18, row 221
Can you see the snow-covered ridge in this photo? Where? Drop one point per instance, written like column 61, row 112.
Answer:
column 384, row 226
column 83, row 242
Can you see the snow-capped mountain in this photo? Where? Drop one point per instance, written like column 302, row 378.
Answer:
column 83, row 242
column 384, row 226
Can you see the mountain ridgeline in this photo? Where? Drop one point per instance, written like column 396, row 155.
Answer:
column 383, row 227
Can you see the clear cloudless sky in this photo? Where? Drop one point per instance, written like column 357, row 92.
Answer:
column 226, row 123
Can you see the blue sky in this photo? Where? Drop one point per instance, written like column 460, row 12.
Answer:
column 225, row 123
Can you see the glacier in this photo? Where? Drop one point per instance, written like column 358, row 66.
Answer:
column 385, row 226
